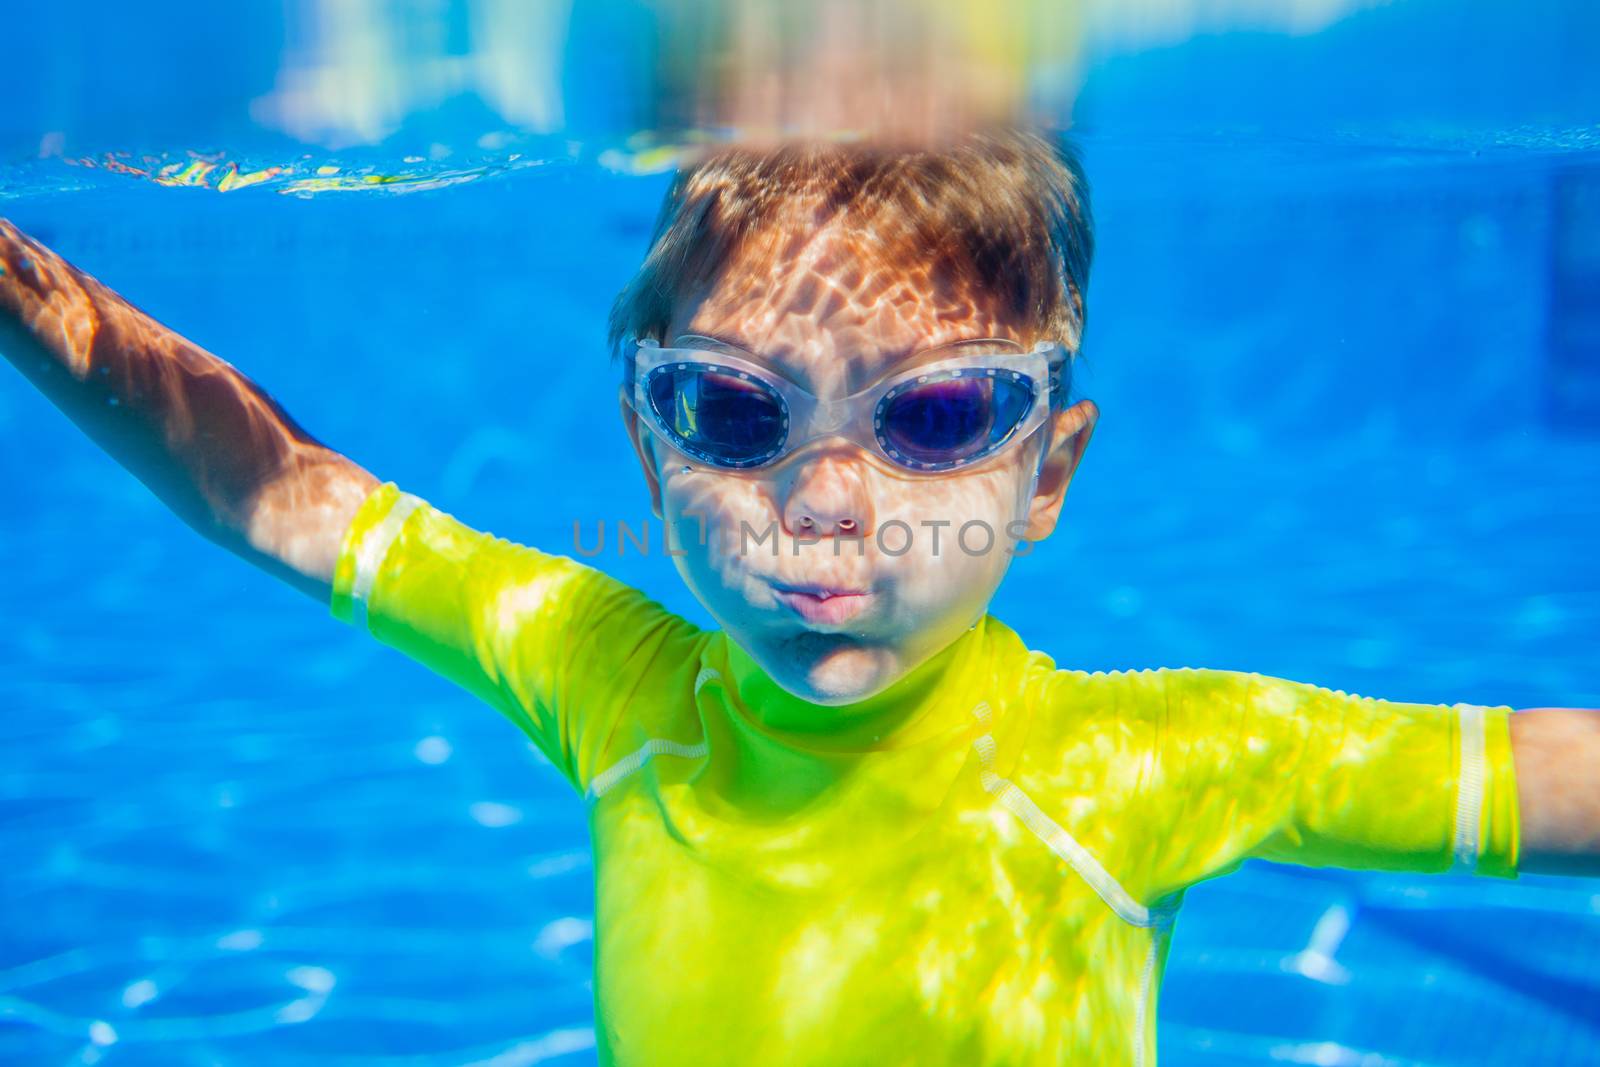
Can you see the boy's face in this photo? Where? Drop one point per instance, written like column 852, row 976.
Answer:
column 833, row 320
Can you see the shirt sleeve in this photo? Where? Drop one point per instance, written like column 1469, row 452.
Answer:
column 1281, row 770
column 558, row 647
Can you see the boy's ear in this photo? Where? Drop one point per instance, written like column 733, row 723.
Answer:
column 1070, row 431
column 643, row 448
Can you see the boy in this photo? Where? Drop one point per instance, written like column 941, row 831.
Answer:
column 861, row 823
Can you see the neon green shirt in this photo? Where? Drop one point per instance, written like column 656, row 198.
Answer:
column 980, row 865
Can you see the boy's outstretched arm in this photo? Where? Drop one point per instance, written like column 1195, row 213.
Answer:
column 1557, row 753
column 210, row 443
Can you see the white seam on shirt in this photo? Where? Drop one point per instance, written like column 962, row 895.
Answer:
column 607, row 779
column 374, row 547
column 1141, row 1015
column 1059, row 841
column 1469, row 789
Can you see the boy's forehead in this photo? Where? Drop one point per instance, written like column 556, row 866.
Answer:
column 835, row 310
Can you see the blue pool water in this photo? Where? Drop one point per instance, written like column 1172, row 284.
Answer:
column 1350, row 435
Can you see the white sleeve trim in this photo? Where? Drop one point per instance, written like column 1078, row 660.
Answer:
column 1474, row 723
column 374, row 547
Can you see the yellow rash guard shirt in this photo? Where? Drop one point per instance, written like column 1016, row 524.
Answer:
column 979, row 866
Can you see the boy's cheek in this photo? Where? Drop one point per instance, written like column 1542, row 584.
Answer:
column 954, row 575
column 706, row 512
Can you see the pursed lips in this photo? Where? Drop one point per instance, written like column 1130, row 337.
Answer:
column 822, row 604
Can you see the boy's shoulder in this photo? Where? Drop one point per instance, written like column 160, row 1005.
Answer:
column 1077, row 697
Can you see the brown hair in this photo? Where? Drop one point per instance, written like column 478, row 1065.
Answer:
column 1003, row 213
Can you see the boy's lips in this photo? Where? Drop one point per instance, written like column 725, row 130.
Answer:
column 823, row 604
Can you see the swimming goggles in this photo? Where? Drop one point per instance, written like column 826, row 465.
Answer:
column 958, row 405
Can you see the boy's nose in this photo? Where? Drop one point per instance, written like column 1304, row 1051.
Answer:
column 828, row 498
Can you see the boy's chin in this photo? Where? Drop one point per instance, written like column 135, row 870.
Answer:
column 832, row 669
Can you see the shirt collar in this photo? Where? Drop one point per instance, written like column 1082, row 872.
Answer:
column 931, row 701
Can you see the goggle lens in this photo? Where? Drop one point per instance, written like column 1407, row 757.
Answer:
column 719, row 415
column 951, row 418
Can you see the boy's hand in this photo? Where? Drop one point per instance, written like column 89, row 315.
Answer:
column 1557, row 752
column 205, row 439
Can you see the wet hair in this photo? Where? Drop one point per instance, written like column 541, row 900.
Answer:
column 998, row 215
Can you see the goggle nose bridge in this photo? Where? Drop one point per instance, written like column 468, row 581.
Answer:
column 830, row 416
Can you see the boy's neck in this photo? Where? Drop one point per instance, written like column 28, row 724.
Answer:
column 897, row 716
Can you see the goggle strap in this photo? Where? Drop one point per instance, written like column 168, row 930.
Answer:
column 1060, row 378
